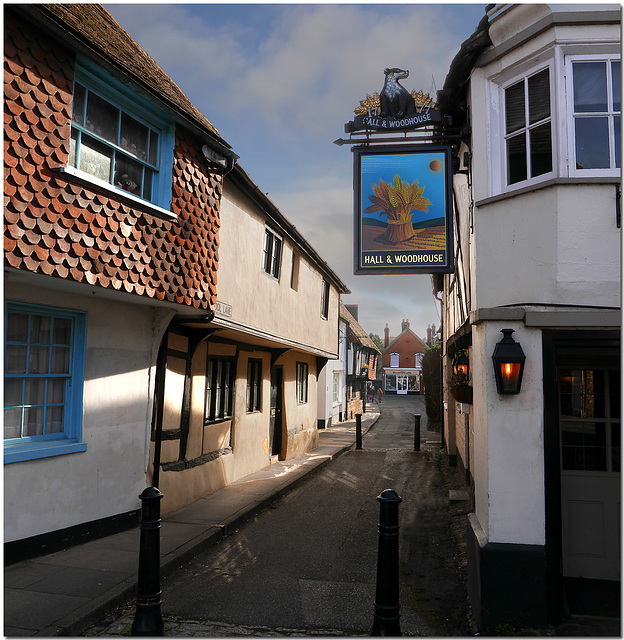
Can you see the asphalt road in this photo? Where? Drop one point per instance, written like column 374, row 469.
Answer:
column 309, row 562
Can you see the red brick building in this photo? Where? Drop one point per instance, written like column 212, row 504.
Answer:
column 402, row 361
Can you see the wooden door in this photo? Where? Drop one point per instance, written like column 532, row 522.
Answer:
column 589, row 422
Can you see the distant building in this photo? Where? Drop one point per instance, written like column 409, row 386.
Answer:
column 402, row 361
column 362, row 356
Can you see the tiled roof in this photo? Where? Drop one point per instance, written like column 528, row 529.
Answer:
column 59, row 228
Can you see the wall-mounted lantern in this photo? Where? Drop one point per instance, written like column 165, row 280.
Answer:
column 461, row 364
column 508, row 359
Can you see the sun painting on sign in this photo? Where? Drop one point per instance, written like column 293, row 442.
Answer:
column 401, row 215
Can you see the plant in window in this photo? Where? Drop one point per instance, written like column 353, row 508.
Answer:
column 396, row 202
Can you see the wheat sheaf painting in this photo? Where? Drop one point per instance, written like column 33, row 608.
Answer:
column 403, row 203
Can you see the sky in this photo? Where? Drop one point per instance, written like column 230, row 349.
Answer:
column 279, row 82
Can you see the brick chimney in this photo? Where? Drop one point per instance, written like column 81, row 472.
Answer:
column 386, row 336
column 429, row 334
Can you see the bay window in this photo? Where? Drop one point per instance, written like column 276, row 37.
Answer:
column 595, row 108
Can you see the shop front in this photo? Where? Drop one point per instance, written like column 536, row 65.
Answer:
column 402, row 382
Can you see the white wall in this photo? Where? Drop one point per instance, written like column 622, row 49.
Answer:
column 58, row 492
column 509, row 445
column 258, row 300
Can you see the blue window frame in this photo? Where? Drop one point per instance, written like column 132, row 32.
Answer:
column 119, row 140
column 44, row 353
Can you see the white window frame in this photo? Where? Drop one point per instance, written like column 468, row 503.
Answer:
column 569, row 60
column 70, row 439
column 530, row 180
column 395, row 357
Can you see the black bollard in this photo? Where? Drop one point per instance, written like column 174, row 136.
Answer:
column 148, row 617
column 387, row 606
column 417, row 432
column 358, row 430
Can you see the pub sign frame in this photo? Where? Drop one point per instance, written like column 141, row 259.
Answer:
column 403, row 209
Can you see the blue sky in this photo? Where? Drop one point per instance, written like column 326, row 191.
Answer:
column 279, row 81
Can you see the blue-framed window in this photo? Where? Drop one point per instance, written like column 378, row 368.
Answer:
column 120, row 140
column 44, row 354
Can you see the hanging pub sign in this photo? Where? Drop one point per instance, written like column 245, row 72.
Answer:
column 394, row 108
column 403, row 209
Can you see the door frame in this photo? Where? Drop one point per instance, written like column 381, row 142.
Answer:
column 552, row 341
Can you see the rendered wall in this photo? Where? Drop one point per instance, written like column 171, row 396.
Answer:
column 257, row 299
column 58, row 492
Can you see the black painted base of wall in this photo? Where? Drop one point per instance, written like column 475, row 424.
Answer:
column 46, row 543
column 506, row 582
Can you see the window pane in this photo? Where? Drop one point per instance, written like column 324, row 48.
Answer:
column 592, row 143
column 40, row 329
column 17, row 327
column 147, row 183
column 95, row 158
column 208, row 410
column 617, row 124
column 582, row 393
column 15, row 358
column 616, row 85
column 54, row 420
column 614, row 393
column 615, row 447
column 62, row 331
column 268, row 250
column 541, row 150
column 56, row 391
column 516, row 159
column 539, row 96
column 102, row 118
column 12, row 423
column 583, row 446
column 153, row 148
column 38, row 360
column 60, row 360
column 514, row 107
column 13, row 392
column 590, row 87
column 73, row 146
column 33, row 421
column 128, row 174
column 277, row 252
column 34, row 391
column 134, row 136
column 78, row 104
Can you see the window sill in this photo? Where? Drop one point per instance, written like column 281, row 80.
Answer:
column 547, row 184
column 90, row 181
column 36, row 450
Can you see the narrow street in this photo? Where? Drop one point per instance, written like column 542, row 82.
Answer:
column 308, row 563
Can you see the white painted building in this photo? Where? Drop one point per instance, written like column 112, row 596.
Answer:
column 538, row 242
